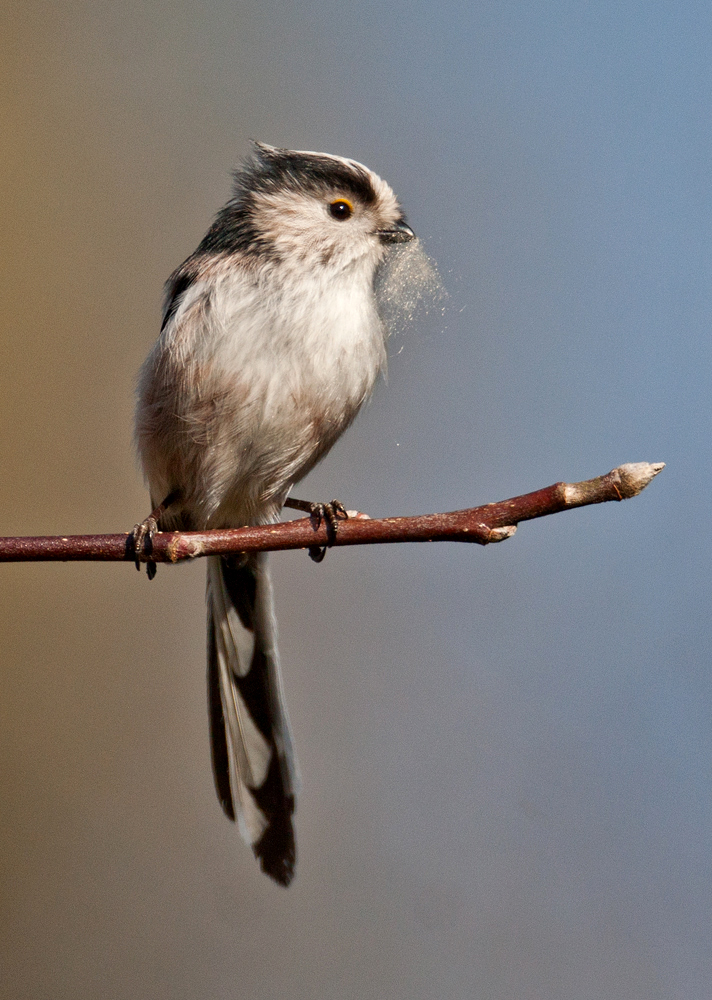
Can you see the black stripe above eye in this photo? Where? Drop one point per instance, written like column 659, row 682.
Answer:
column 276, row 169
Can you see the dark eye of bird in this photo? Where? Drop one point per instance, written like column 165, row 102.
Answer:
column 341, row 209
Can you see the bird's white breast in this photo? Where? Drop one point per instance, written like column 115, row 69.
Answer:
column 280, row 369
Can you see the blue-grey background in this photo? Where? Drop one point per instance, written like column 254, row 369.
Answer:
column 506, row 751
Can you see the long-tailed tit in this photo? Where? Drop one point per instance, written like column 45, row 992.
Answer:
column 271, row 342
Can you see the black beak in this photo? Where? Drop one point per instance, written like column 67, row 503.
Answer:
column 399, row 232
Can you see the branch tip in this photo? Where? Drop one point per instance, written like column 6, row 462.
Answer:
column 635, row 476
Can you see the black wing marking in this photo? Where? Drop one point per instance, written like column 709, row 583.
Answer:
column 176, row 286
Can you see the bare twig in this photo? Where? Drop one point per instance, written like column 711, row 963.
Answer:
column 492, row 523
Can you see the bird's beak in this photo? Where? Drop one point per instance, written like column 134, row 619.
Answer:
column 399, row 232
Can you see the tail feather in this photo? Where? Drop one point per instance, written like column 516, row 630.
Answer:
column 218, row 735
column 253, row 759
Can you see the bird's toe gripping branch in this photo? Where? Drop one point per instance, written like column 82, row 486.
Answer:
column 141, row 538
column 329, row 513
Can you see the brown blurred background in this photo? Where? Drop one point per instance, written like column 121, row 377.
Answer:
column 505, row 753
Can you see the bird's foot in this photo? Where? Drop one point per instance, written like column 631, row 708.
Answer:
column 141, row 538
column 330, row 514
column 142, row 543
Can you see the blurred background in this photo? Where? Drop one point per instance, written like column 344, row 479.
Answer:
column 506, row 751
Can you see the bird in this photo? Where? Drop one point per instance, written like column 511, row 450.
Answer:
column 270, row 344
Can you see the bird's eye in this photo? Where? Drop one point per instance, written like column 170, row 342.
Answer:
column 341, row 209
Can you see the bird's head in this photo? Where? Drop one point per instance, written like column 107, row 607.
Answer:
column 309, row 210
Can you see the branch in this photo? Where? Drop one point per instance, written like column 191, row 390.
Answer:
column 491, row 523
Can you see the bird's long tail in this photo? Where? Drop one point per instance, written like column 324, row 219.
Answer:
column 253, row 760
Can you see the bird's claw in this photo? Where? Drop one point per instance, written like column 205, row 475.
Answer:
column 142, row 544
column 330, row 514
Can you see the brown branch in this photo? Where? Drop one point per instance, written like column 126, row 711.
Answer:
column 492, row 523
